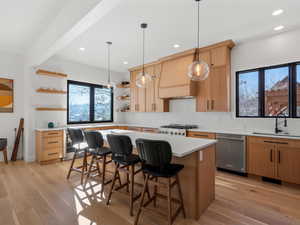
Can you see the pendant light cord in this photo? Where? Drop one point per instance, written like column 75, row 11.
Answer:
column 108, row 60
column 143, row 51
column 198, row 31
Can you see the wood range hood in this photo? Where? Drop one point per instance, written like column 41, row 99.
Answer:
column 174, row 82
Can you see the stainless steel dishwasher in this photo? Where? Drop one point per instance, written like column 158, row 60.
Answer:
column 231, row 152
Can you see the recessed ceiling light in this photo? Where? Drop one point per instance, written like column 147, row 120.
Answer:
column 278, row 28
column 277, row 12
column 125, row 62
column 176, row 46
column 82, row 49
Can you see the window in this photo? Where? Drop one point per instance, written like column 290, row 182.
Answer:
column 248, row 94
column 269, row 92
column 277, row 92
column 89, row 103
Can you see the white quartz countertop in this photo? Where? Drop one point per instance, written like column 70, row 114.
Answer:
column 181, row 146
column 259, row 133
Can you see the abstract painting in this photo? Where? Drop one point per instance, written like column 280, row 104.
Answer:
column 6, row 95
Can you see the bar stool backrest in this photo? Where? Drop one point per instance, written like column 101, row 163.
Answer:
column 120, row 145
column 76, row 135
column 94, row 139
column 154, row 152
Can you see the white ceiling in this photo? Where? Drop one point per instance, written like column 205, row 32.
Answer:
column 174, row 22
column 21, row 22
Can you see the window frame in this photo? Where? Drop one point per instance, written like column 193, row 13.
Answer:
column 92, row 102
column 292, row 98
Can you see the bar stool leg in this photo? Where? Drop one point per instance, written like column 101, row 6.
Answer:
column 113, row 183
column 103, row 173
column 131, row 189
column 84, row 167
column 169, row 202
column 155, row 193
column 180, row 195
column 89, row 171
column 142, row 200
column 5, row 155
column 127, row 180
column 72, row 164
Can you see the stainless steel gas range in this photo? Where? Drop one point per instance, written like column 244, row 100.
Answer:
column 176, row 129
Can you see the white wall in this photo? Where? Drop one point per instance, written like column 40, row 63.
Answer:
column 11, row 67
column 75, row 71
column 273, row 50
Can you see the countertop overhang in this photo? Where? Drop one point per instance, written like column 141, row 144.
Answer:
column 181, row 146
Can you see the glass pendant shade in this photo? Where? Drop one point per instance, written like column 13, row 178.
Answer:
column 198, row 70
column 142, row 80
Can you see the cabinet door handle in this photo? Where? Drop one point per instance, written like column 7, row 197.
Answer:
column 154, row 106
column 52, row 133
column 207, row 105
column 275, row 142
column 279, row 157
column 53, row 142
column 271, row 155
column 212, row 104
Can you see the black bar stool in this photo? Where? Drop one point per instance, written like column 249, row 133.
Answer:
column 125, row 161
column 3, row 148
column 99, row 155
column 80, row 149
column 156, row 159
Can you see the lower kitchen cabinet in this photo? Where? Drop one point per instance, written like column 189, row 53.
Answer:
column 274, row 158
column 261, row 157
column 288, row 159
column 197, row 134
column 49, row 146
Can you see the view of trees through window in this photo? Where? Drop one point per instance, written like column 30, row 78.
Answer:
column 248, row 94
column 89, row 103
column 265, row 92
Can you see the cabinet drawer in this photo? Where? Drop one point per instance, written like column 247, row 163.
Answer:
column 53, row 142
column 276, row 141
column 54, row 133
column 150, row 130
column 201, row 135
column 51, row 154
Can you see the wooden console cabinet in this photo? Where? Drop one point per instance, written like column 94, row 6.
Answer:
column 274, row 158
column 49, row 146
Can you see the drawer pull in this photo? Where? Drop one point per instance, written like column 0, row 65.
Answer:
column 53, row 142
column 275, row 142
column 199, row 135
column 55, row 153
column 52, row 133
column 279, row 157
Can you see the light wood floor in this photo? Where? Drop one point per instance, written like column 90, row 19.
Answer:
column 31, row 194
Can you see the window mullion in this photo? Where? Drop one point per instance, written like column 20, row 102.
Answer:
column 261, row 93
column 92, row 105
column 292, row 91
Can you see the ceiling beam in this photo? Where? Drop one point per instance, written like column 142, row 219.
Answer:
column 75, row 18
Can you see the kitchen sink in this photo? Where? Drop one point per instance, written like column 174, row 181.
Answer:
column 279, row 134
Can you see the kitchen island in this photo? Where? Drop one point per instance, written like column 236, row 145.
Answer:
column 198, row 176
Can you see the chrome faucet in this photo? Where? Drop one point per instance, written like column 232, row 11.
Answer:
column 277, row 130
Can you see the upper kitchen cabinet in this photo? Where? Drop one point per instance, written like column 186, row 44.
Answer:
column 147, row 99
column 137, row 95
column 213, row 94
column 174, row 82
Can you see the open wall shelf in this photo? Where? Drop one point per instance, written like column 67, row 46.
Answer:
column 51, row 74
column 50, row 109
column 50, row 91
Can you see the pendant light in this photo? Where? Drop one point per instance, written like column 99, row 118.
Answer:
column 199, row 69
column 143, row 78
column 109, row 84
